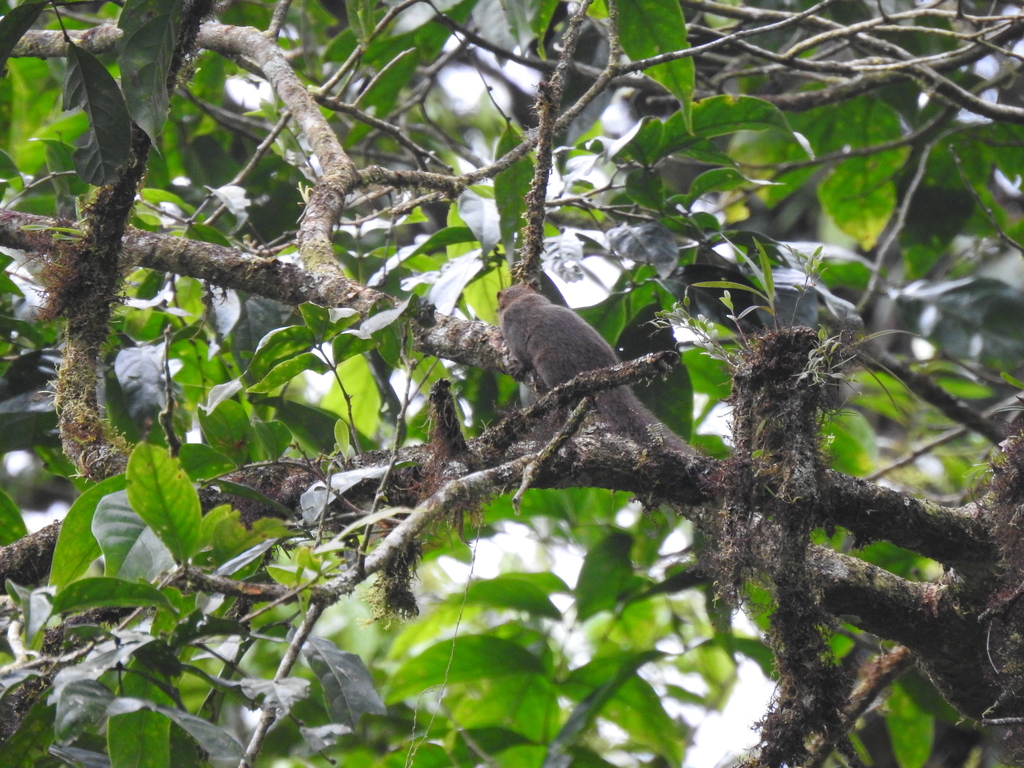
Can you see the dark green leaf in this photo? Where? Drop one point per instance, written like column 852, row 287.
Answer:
column 106, row 592
column 80, row 705
column 347, row 686
column 278, row 346
column 88, row 84
column 284, row 372
column 14, row 24
column 973, row 318
column 214, row 740
column 145, row 52
column 201, row 462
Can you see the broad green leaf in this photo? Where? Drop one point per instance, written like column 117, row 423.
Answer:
column 274, row 438
column 12, row 526
column 312, row 427
column 140, row 739
column 722, row 115
column 510, row 592
column 227, row 429
column 359, row 385
column 860, row 195
column 162, row 495
column 144, row 55
column 88, row 84
column 131, row 549
column 851, row 443
column 346, row 345
column 524, row 705
column 230, row 538
column 76, row 545
column 652, row 27
column 586, row 711
column 218, row 743
column 345, row 681
column 284, row 372
column 277, row 346
column 14, row 24
column 106, row 592
column 80, row 704
column 910, row 729
column 476, row 657
column 715, row 180
column 973, row 318
column 606, row 576
column 201, row 462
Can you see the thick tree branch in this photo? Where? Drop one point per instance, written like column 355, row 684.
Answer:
column 932, row 620
column 338, row 176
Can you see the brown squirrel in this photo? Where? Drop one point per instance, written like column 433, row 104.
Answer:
column 557, row 344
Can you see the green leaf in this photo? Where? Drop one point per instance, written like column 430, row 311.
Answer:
column 76, row 546
column 201, row 462
column 277, row 346
column 164, row 498
column 509, row 591
column 606, row 576
column 972, row 318
column 144, row 55
column 852, row 443
column 14, row 24
column 217, row 742
column 722, row 115
column 131, row 549
column 140, row 739
column 284, row 372
column 228, row 430
column 106, row 592
column 312, row 427
column 476, row 657
column 1012, row 380
column 860, row 195
column 653, row 27
column 80, row 704
column 12, row 526
column 584, row 713
column 910, row 729
column 346, row 682
column 275, row 438
column 88, row 84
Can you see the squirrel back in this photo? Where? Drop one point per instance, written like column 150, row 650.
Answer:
column 557, row 344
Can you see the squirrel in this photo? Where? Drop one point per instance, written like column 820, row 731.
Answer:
column 557, row 344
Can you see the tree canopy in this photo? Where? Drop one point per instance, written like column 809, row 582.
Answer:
column 251, row 255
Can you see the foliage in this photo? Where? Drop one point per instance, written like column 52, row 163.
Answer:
column 251, row 261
